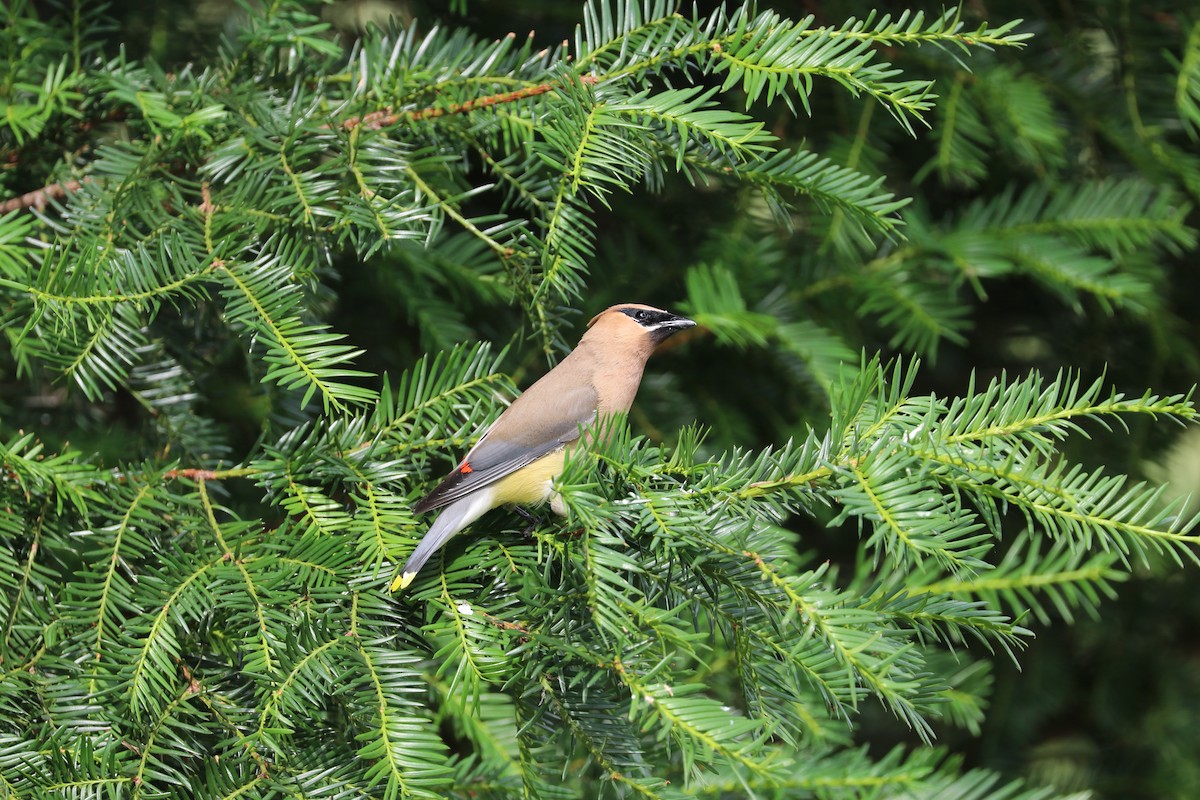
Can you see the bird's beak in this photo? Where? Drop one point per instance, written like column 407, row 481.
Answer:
column 668, row 326
column 677, row 323
column 673, row 323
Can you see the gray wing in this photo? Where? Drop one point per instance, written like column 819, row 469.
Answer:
column 532, row 427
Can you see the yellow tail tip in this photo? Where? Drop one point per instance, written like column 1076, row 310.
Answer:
column 402, row 581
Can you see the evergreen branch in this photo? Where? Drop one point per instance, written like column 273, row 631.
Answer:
column 212, row 701
column 401, row 744
column 903, row 526
column 855, row 158
column 17, row 597
column 448, row 84
column 577, row 161
column 364, row 190
column 299, row 354
column 957, row 158
column 606, row 609
column 89, row 784
column 553, row 643
column 63, row 479
column 196, row 474
column 464, row 376
column 991, row 583
column 375, row 518
column 850, row 770
column 850, row 648
column 848, row 67
column 106, row 587
column 597, row 749
column 312, row 566
column 1187, row 83
column 567, row 244
column 1068, row 577
column 704, row 721
column 39, row 198
column 395, row 773
column 1071, row 240
column 783, row 484
column 297, row 187
column 103, row 359
column 1076, row 273
column 561, row 251
column 715, row 301
column 140, row 777
column 275, row 698
column 606, row 30
column 838, row 695
column 208, row 210
column 503, row 251
column 1041, row 413
column 982, row 785
column 831, row 187
column 949, row 620
column 1072, row 501
column 386, row 119
column 387, row 516
column 266, row 658
column 473, row 655
column 907, row 29
column 503, row 171
column 923, row 315
column 690, row 114
column 1015, row 469
column 490, row 725
column 614, row 44
column 1120, row 215
column 153, row 293
column 315, row 510
column 158, row 638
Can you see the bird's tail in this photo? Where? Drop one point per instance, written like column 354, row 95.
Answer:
column 453, row 519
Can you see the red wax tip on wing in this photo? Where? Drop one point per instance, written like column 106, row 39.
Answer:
column 465, row 469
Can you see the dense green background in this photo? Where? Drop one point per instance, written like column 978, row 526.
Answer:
column 1110, row 705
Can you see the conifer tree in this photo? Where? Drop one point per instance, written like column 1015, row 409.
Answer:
column 252, row 304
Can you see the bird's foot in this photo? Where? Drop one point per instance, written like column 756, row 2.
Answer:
column 529, row 518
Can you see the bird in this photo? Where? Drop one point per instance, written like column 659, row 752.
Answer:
column 518, row 457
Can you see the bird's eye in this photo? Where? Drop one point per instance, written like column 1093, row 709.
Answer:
column 641, row 316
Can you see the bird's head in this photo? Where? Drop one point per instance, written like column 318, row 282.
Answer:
column 638, row 321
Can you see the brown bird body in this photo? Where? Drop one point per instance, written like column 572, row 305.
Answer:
column 519, row 456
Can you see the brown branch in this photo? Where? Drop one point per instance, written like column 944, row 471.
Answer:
column 195, row 474
column 192, row 473
column 39, row 197
column 374, row 121
column 383, row 119
column 206, row 204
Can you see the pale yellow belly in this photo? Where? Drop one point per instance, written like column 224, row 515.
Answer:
column 530, row 485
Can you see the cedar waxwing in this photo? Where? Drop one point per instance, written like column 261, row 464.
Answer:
column 519, row 456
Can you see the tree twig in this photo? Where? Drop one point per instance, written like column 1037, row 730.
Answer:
column 386, row 118
column 39, row 197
